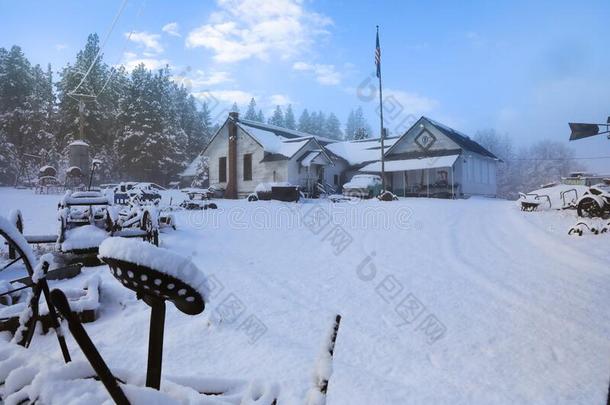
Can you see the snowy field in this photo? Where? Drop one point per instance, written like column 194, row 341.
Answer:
column 453, row 302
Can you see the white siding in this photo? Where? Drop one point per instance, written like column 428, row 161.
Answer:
column 477, row 174
column 261, row 171
column 407, row 144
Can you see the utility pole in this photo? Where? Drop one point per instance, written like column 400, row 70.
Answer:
column 81, row 122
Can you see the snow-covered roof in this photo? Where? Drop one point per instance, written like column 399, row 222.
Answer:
column 268, row 139
column 274, row 143
column 412, row 164
column 289, row 148
column 462, row 140
column 306, row 162
column 359, row 152
column 283, row 132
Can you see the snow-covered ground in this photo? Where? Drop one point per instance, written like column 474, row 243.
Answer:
column 442, row 301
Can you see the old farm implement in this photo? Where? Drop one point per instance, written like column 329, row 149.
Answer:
column 24, row 280
column 157, row 276
column 86, row 218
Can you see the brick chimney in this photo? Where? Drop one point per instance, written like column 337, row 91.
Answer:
column 231, row 191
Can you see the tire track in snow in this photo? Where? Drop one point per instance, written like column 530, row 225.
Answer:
column 477, row 272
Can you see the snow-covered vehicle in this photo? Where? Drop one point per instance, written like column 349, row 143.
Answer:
column 217, row 190
column 143, row 191
column 363, row 186
column 87, row 218
column 595, row 202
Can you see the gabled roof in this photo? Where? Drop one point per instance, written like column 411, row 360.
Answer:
column 279, row 143
column 463, row 141
column 361, row 151
column 284, row 132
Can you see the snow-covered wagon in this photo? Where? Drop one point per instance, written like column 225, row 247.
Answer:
column 25, row 280
column 552, row 196
column 88, row 217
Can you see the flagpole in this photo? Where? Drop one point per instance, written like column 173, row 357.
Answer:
column 381, row 112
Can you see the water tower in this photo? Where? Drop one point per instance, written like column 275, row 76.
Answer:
column 78, row 152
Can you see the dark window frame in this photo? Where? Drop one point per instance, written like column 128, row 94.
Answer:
column 247, row 160
column 222, row 169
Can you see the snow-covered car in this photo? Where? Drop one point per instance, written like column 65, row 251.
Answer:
column 595, row 202
column 363, row 186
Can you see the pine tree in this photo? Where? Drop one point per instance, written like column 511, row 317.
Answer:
column 317, row 123
column 206, row 120
column 305, row 122
column 260, row 116
column 16, row 89
column 234, row 108
column 99, row 112
column 289, row 121
column 251, row 112
column 277, row 118
column 332, row 128
column 40, row 103
column 138, row 145
column 350, row 126
column 8, row 161
column 356, row 126
column 363, row 130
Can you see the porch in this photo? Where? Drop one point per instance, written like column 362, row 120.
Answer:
column 311, row 173
column 432, row 177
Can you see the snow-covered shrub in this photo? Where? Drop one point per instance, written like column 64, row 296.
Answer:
column 387, row 196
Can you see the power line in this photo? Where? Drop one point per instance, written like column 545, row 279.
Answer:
column 559, row 159
column 127, row 39
column 99, row 52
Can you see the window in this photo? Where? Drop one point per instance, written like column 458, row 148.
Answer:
column 336, row 179
column 247, row 166
column 222, row 169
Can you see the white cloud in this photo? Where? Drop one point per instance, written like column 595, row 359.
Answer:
column 172, row 29
column 227, row 96
column 149, row 41
column 325, row 74
column 132, row 60
column 60, row 47
column 280, row 99
column 244, row 29
column 407, row 103
column 201, row 79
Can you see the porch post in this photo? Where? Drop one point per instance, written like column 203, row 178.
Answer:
column 452, row 184
column 404, row 178
column 428, row 183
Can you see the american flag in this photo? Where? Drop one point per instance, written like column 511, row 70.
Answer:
column 378, row 55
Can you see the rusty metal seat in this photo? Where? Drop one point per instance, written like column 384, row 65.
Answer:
column 151, row 285
column 156, row 275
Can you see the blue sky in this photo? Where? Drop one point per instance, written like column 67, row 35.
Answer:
column 522, row 67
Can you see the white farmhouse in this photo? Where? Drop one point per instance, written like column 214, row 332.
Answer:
column 242, row 154
column 433, row 160
column 429, row 159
